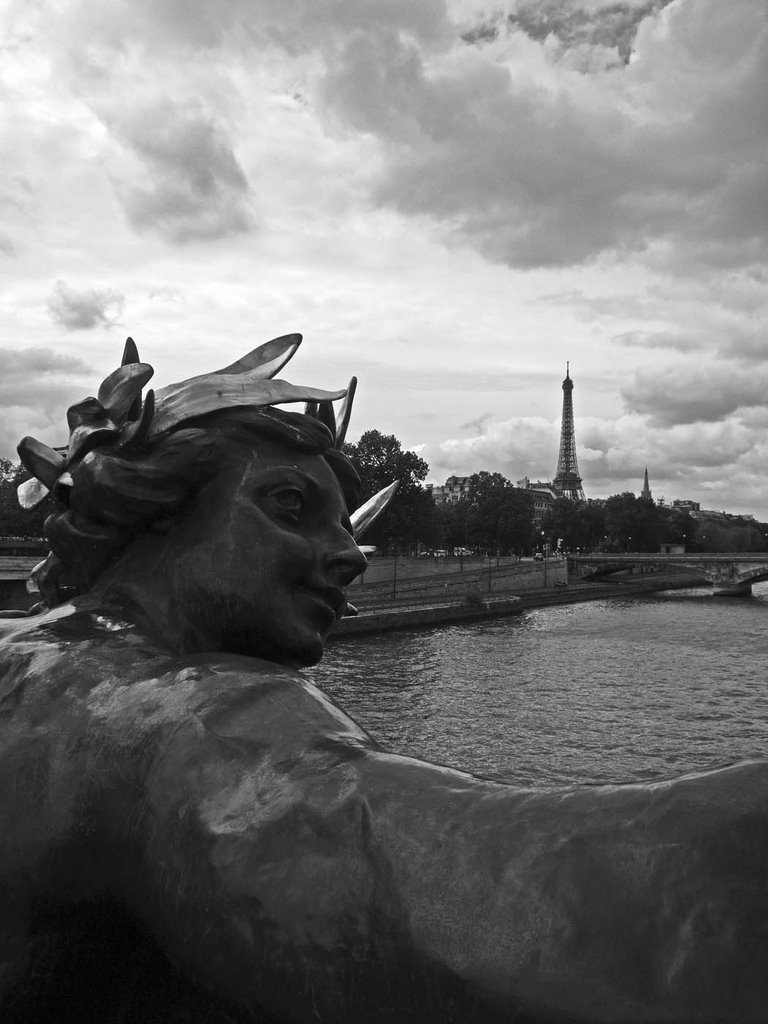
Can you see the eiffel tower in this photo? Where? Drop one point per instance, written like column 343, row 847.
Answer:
column 567, row 482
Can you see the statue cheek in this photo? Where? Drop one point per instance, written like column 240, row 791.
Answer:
column 296, row 545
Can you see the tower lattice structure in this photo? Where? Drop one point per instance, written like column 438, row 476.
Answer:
column 567, row 482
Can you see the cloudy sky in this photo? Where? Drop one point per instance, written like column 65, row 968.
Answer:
column 447, row 198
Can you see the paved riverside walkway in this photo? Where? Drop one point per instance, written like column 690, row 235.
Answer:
column 391, row 582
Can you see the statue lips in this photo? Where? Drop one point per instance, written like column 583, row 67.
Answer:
column 327, row 602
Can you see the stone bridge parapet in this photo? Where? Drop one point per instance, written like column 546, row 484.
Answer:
column 728, row 572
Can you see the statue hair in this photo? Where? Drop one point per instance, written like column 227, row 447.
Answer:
column 116, row 496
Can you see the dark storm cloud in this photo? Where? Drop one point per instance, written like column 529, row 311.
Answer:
column 671, row 341
column 677, row 396
column 572, row 24
column 503, row 146
column 716, row 326
column 20, row 365
column 746, row 342
column 486, row 160
column 670, row 151
column 527, row 179
column 192, row 186
column 479, row 425
column 83, row 310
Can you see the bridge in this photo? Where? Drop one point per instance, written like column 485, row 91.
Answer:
column 729, row 573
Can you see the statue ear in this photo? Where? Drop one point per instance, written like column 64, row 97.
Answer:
column 368, row 513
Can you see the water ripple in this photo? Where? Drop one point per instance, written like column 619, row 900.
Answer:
column 595, row 692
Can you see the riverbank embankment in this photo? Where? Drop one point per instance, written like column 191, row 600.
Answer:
column 424, row 615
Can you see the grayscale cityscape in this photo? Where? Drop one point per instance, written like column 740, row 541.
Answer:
column 383, row 512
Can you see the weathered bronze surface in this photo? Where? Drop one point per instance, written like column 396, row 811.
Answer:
column 190, row 830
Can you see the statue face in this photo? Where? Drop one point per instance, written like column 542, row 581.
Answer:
column 261, row 563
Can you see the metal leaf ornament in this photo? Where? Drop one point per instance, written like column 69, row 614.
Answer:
column 248, row 381
column 364, row 516
column 108, row 419
column 118, row 419
column 345, row 413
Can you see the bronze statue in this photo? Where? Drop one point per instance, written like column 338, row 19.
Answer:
column 190, row 830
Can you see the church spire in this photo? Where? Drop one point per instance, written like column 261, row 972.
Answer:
column 646, row 495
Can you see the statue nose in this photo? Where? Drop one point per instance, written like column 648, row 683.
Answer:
column 346, row 560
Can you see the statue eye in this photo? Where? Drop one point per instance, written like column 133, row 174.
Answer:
column 288, row 502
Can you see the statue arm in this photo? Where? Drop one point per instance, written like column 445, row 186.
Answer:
column 293, row 865
column 637, row 903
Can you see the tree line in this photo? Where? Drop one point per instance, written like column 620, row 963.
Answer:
column 495, row 517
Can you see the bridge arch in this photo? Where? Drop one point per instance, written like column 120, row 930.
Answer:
column 727, row 572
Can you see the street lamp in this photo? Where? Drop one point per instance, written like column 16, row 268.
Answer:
column 544, row 552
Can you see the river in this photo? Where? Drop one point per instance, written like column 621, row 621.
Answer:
column 605, row 691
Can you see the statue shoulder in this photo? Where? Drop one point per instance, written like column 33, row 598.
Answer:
column 250, row 700
column 110, row 678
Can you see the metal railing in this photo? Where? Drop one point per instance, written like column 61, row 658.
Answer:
column 452, row 586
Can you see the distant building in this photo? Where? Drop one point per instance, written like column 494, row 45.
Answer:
column 707, row 513
column 454, row 489
column 543, row 494
column 684, row 505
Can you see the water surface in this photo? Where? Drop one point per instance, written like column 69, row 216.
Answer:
column 603, row 691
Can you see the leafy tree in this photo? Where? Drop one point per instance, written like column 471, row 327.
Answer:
column 453, row 520
column 632, row 523
column 716, row 534
column 679, row 527
column 636, row 524
column 516, row 521
column 499, row 515
column 410, row 517
column 576, row 524
column 591, row 522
